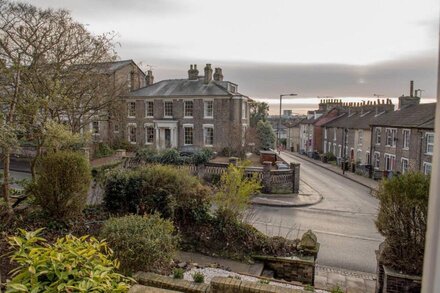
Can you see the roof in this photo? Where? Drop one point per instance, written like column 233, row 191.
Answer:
column 108, row 67
column 184, row 87
column 310, row 120
column 414, row 116
column 356, row 120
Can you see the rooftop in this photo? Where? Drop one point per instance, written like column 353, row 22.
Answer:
column 416, row 116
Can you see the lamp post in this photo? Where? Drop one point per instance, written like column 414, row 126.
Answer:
column 279, row 120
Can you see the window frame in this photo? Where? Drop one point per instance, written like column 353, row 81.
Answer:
column 426, row 164
column 165, row 103
column 376, row 158
column 205, row 109
column 404, row 170
column 131, row 126
column 429, row 144
column 147, row 108
column 130, row 109
column 390, row 157
column 185, row 127
column 205, row 128
column 406, row 138
column 147, row 136
column 185, row 103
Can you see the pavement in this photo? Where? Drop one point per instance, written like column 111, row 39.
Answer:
column 326, row 278
column 306, row 196
column 367, row 182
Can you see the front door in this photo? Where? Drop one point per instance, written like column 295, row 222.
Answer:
column 167, row 137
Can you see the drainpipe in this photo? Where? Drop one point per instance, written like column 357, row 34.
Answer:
column 431, row 268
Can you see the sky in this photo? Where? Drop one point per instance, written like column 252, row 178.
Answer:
column 338, row 48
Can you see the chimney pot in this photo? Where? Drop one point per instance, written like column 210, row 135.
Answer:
column 208, row 73
column 411, row 88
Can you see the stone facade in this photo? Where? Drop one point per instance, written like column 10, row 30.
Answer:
column 216, row 113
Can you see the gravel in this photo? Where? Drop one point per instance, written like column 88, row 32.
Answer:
column 209, row 273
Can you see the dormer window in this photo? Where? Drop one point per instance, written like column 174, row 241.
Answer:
column 232, row 88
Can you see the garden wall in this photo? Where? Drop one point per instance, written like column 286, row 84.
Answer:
column 218, row 285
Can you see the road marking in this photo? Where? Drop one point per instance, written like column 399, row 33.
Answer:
column 323, row 232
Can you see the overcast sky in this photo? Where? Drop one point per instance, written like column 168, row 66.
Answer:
column 340, row 48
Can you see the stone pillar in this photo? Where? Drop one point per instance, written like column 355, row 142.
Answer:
column 266, row 177
column 200, row 171
column 295, row 176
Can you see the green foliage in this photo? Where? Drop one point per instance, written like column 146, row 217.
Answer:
column 172, row 192
column 309, row 288
column 62, row 184
column 336, row 289
column 146, row 243
column 258, row 112
column 71, row 264
column 124, row 145
column 402, row 218
column 263, row 281
column 330, row 156
column 172, row 156
column 178, row 273
column 58, row 136
column 103, row 150
column 235, row 190
column 198, row 277
column 265, row 135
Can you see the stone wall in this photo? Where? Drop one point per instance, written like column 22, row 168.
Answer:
column 294, row 268
column 217, row 285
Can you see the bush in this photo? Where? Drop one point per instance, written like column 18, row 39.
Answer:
column 330, row 156
column 62, row 184
column 172, row 156
column 103, row 150
column 71, row 264
column 235, row 190
column 142, row 243
column 198, row 277
column 172, row 192
column 265, row 135
column 403, row 212
column 178, row 273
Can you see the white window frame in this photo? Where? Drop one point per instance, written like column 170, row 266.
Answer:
column 429, row 144
column 404, row 170
column 208, row 126
column 390, row 157
column 129, row 126
column 339, row 151
column 425, row 165
column 146, row 127
column 184, row 109
column 378, row 135
column 367, row 157
column 116, row 128
column 187, row 126
column 325, row 133
column 95, row 132
column 165, row 103
column 376, row 159
column 205, row 109
column 334, row 134
column 392, row 132
column 406, row 138
column 130, row 109
column 147, row 103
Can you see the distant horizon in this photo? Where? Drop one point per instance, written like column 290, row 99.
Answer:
column 300, row 107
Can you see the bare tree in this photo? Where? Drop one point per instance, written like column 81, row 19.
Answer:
column 53, row 71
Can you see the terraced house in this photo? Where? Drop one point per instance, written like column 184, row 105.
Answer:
column 195, row 112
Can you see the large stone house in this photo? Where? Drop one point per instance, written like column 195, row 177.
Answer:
column 404, row 140
column 189, row 113
column 124, row 76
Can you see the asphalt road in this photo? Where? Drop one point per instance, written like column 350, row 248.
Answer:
column 343, row 221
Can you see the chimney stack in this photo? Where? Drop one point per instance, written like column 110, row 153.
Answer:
column 193, row 73
column 208, row 73
column 149, row 78
column 411, row 88
column 218, row 75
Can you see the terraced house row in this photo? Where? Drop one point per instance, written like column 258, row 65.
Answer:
column 374, row 133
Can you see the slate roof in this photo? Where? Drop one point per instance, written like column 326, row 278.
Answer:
column 357, row 120
column 184, row 87
column 413, row 117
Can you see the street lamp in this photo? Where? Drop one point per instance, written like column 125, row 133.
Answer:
column 279, row 120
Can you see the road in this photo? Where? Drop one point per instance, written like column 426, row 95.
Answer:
column 343, row 221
